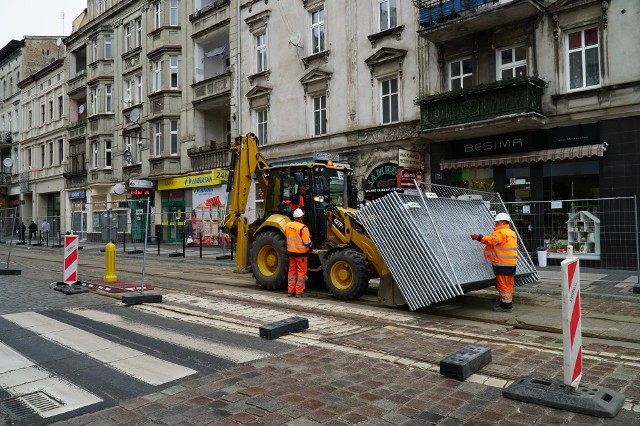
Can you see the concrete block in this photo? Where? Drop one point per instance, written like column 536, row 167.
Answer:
column 465, row 362
column 282, row 328
column 586, row 399
column 10, row 271
column 135, row 298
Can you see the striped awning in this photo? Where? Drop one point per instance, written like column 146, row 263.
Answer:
column 557, row 154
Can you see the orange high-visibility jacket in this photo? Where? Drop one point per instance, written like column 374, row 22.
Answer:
column 298, row 239
column 501, row 249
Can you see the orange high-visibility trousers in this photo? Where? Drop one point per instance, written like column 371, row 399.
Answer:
column 504, row 285
column 297, row 274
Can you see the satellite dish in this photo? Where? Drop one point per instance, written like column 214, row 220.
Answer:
column 134, row 115
column 7, row 162
column 59, row 41
column 81, row 108
column 119, row 188
column 295, row 39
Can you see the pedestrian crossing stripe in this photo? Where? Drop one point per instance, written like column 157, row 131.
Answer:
column 20, row 376
column 131, row 362
column 234, row 353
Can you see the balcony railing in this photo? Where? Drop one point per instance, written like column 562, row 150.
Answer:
column 215, row 156
column 212, row 87
column 434, row 12
column 501, row 98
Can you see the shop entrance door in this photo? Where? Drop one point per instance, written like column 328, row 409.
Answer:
column 173, row 220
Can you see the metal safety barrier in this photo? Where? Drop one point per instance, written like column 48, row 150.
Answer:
column 424, row 237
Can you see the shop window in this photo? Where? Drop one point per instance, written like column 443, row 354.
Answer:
column 571, row 180
column 477, row 179
column 518, row 186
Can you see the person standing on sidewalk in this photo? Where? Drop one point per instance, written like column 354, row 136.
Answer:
column 298, row 243
column 33, row 229
column 501, row 249
column 45, row 229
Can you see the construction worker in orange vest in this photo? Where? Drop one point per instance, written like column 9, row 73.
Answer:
column 501, row 249
column 298, row 244
column 299, row 199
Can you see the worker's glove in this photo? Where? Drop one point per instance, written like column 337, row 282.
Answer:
column 477, row 237
column 287, row 201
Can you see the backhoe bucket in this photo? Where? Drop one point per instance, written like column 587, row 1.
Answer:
column 425, row 241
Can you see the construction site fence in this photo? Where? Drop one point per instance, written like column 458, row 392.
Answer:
column 602, row 231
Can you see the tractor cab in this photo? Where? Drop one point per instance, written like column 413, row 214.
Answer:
column 328, row 185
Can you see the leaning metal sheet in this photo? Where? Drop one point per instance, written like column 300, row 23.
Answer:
column 425, row 243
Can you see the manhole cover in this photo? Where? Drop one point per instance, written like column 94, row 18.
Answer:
column 31, row 403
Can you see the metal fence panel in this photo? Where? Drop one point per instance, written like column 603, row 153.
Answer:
column 424, row 238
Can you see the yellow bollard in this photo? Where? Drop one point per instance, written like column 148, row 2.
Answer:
column 110, row 263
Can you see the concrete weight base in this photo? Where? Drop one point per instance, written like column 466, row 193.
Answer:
column 10, row 271
column 586, row 399
column 134, row 298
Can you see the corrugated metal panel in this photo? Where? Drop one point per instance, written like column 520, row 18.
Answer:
column 427, row 246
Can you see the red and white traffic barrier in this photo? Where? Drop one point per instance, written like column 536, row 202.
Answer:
column 571, row 320
column 70, row 259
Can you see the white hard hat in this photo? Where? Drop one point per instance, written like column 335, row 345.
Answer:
column 502, row 216
column 298, row 213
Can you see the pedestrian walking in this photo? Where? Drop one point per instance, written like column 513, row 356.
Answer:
column 33, row 229
column 298, row 244
column 501, row 249
column 22, row 230
column 45, row 228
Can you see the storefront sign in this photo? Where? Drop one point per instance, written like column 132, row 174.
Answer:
column 492, row 145
column 81, row 193
column 140, row 183
column 382, row 179
column 584, row 134
column 216, row 177
column 407, row 176
column 409, row 159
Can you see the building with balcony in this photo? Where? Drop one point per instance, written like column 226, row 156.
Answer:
column 149, row 99
column 534, row 99
column 43, row 145
column 18, row 59
column 338, row 77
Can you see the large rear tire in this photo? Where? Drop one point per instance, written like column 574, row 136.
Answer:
column 347, row 274
column 269, row 260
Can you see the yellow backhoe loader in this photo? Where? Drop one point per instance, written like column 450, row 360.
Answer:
column 342, row 255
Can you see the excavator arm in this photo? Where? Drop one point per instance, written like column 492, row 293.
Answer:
column 246, row 161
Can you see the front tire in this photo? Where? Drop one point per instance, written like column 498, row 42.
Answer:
column 347, row 274
column 269, row 260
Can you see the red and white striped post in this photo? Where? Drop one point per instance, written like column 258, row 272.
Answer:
column 571, row 320
column 70, row 259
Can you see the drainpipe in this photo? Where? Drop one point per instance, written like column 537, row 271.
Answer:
column 238, row 67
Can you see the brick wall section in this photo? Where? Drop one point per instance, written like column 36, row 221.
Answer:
column 34, row 58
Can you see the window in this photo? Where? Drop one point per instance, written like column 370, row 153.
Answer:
column 29, row 159
column 51, row 110
column 30, row 119
column 94, row 100
column 138, row 88
column 128, row 147
column 107, row 47
column 173, row 72
column 42, row 114
column 157, row 76
column 94, row 156
column 262, row 127
column 127, row 93
column 512, row 62
column 94, row 44
column 389, row 100
column 107, row 98
column 138, row 157
column 173, row 13
column 107, row 154
column 460, row 74
column 261, row 50
column 583, row 59
column 157, row 15
column 127, row 38
column 42, row 160
column 60, row 151
column 138, row 32
column 60, row 106
column 51, row 153
column 388, row 14
column 157, row 137
column 317, row 31
column 173, row 138
column 319, row 115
